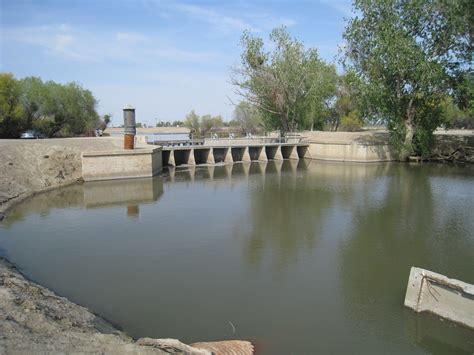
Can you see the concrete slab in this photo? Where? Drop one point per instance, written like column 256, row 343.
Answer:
column 452, row 299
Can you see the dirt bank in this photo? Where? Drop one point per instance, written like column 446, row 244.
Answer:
column 31, row 166
column 34, row 319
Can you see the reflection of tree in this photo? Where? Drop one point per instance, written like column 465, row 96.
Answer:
column 393, row 233
column 284, row 219
column 289, row 214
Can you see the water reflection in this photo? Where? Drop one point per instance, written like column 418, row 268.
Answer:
column 399, row 225
column 295, row 207
column 99, row 194
column 299, row 254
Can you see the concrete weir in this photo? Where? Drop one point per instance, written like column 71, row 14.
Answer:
column 206, row 154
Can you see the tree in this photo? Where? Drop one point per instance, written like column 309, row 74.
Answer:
column 192, row 122
column 12, row 120
column 56, row 109
column 289, row 86
column 209, row 123
column 247, row 118
column 346, row 106
column 410, row 54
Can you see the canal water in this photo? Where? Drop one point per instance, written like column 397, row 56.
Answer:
column 299, row 257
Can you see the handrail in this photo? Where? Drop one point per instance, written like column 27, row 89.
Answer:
column 225, row 141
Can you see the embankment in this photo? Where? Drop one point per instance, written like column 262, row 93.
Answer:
column 31, row 166
column 32, row 318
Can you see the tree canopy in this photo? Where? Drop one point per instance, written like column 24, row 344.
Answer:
column 56, row 110
column 202, row 125
column 411, row 54
column 248, row 118
column 290, row 85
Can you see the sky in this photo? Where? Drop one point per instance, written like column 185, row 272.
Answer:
column 163, row 57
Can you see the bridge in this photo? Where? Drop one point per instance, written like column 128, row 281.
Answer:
column 229, row 150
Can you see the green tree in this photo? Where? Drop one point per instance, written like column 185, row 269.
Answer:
column 56, row 109
column 12, row 114
column 410, row 54
column 210, row 123
column 289, row 85
column 192, row 122
column 346, row 106
column 247, row 118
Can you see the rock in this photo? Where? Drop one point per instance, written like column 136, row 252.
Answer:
column 172, row 346
column 227, row 347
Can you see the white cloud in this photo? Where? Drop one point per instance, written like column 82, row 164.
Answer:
column 213, row 17
column 69, row 43
column 239, row 18
column 344, row 7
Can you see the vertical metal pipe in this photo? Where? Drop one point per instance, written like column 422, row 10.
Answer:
column 130, row 128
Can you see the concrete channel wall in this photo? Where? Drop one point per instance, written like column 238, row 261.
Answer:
column 367, row 146
column 352, row 152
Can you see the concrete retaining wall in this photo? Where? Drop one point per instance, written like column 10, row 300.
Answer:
column 121, row 164
column 355, row 152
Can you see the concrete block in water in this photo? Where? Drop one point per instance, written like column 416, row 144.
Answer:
column 452, row 299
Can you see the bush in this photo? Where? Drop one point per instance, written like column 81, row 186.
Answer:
column 351, row 122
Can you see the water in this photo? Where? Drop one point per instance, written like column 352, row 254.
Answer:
column 300, row 258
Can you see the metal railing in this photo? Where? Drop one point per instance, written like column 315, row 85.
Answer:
column 166, row 140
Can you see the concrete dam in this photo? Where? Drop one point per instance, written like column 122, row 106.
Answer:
column 233, row 150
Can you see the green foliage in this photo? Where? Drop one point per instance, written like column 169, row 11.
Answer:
column 351, row 122
column 12, row 113
column 347, row 101
column 290, row 86
column 210, row 123
column 201, row 126
column 408, row 55
column 52, row 108
column 192, row 122
column 247, row 118
column 456, row 117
